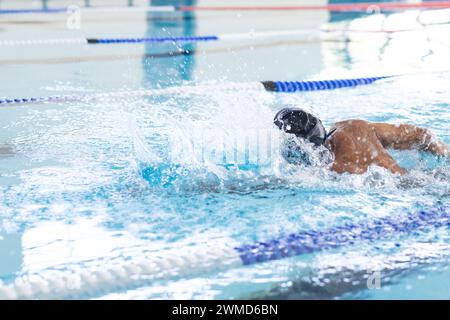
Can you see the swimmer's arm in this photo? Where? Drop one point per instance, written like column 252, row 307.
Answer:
column 342, row 165
column 405, row 136
column 386, row 161
column 347, row 161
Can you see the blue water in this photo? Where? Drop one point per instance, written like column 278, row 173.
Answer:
column 85, row 181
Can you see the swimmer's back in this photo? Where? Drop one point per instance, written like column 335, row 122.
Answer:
column 356, row 145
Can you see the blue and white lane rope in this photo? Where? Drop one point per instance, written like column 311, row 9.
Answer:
column 294, row 86
column 304, row 33
column 65, row 281
column 151, row 40
column 345, row 7
column 269, row 86
column 102, row 9
column 312, row 241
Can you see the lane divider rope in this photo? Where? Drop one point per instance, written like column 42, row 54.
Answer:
column 305, row 33
column 269, row 86
column 63, row 282
column 344, row 7
column 349, row 7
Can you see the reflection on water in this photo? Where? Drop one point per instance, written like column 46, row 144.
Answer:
column 6, row 151
column 396, row 41
column 168, row 64
column 337, row 16
column 10, row 253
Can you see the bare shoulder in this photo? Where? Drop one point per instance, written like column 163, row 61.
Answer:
column 341, row 139
column 352, row 127
column 350, row 136
column 351, row 123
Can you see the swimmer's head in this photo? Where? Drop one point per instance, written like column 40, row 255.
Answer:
column 302, row 124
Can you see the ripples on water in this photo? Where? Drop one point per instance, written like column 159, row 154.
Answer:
column 80, row 168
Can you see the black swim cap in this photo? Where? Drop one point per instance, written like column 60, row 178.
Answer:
column 302, row 124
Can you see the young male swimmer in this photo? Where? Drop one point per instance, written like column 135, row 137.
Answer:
column 352, row 145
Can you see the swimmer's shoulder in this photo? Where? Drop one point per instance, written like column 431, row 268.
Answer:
column 358, row 123
column 351, row 127
column 340, row 138
column 343, row 133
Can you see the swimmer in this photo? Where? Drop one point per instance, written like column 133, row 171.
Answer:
column 354, row 145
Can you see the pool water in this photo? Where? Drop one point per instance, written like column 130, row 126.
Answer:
column 92, row 183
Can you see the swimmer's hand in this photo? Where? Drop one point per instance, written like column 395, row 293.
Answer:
column 441, row 149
